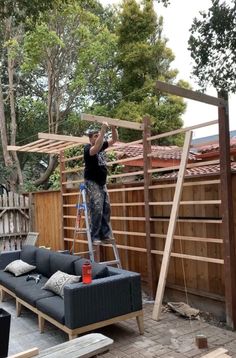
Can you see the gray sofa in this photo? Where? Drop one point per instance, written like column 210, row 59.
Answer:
column 114, row 294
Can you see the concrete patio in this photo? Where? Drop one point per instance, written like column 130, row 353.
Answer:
column 171, row 337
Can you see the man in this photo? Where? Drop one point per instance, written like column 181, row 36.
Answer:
column 95, row 175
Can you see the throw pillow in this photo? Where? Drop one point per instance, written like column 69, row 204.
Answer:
column 19, row 267
column 58, row 280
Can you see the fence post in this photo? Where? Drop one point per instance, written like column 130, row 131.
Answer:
column 227, row 215
column 147, row 163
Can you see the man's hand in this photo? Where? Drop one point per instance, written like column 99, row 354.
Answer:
column 104, row 127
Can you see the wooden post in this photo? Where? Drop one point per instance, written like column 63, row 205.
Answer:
column 171, row 228
column 147, row 182
column 63, row 179
column 227, row 216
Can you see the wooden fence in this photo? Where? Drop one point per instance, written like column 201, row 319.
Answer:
column 14, row 220
column 197, row 257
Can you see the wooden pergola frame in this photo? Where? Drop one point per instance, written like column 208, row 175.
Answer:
column 56, row 144
column 226, row 200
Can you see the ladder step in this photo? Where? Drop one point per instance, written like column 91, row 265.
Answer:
column 81, row 231
column 113, row 262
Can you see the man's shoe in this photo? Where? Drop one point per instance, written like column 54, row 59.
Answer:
column 107, row 241
column 97, row 242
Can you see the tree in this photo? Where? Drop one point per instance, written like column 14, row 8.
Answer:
column 213, row 46
column 12, row 13
column 142, row 58
column 70, row 48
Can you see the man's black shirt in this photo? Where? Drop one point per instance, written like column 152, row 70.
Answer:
column 95, row 165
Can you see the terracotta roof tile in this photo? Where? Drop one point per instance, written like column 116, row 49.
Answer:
column 215, row 147
column 203, row 170
column 159, row 152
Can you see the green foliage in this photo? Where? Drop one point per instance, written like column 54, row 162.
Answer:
column 142, row 58
column 22, row 9
column 54, row 180
column 213, row 46
column 114, row 168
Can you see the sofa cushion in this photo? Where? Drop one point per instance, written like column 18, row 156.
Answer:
column 31, row 292
column 58, row 280
column 53, row 307
column 19, row 267
column 42, row 262
column 62, row 262
column 10, row 281
column 98, row 270
column 28, row 254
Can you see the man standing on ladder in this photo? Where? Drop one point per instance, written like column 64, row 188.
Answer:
column 95, row 175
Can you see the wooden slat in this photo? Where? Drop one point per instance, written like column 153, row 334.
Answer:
column 112, row 121
column 126, row 160
column 89, row 345
column 171, row 228
column 168, row 203
column 165, row 186
column 192, row 165
column 216, row 353
column 182, row 130
column 26, row 354
column 64, row 138
column 186, row 93
column 191, row 220
column 190, row 257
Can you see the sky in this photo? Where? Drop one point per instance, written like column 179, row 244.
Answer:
column 178, row 18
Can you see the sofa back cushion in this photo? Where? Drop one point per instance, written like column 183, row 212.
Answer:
column 43, row 262
column 62, row 262
column 28, row 254
column 98, row 270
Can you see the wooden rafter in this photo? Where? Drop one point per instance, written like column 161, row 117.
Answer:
column 50, row 144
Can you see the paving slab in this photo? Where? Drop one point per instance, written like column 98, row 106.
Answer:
column 170, row 337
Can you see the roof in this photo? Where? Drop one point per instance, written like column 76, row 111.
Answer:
column 201, row 170
column 215, row 147
column 159, row 152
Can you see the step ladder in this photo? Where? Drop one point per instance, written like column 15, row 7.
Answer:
column 82, row 210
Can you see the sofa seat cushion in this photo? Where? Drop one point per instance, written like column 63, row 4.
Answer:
column 53, row 307
column 30, row 291
column 10, row 281
column 58, row 280
column 98, row 270
column 19, row 267
column 62, row 262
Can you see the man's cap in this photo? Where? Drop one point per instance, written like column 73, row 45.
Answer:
column 91, row 132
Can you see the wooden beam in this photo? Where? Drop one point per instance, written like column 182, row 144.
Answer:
column 147, row 182
column 217, row 353
column 65, row 138
column 183, row 130
column 186, row 93
column 26, row 354
column 13, row 147
column 112, row 121
column 228, row 217
column 171, row 228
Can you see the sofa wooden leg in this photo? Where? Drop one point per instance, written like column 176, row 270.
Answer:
column 140, row 323
column 41, row 322
column 72, row 336
column 18, row 308
column 2, row 295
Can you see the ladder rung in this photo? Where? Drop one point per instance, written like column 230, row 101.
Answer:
column 113, row 262
column 81, row 231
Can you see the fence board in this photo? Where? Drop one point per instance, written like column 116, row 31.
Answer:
column 14, row 220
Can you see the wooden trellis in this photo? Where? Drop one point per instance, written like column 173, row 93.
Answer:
column 58, row 143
